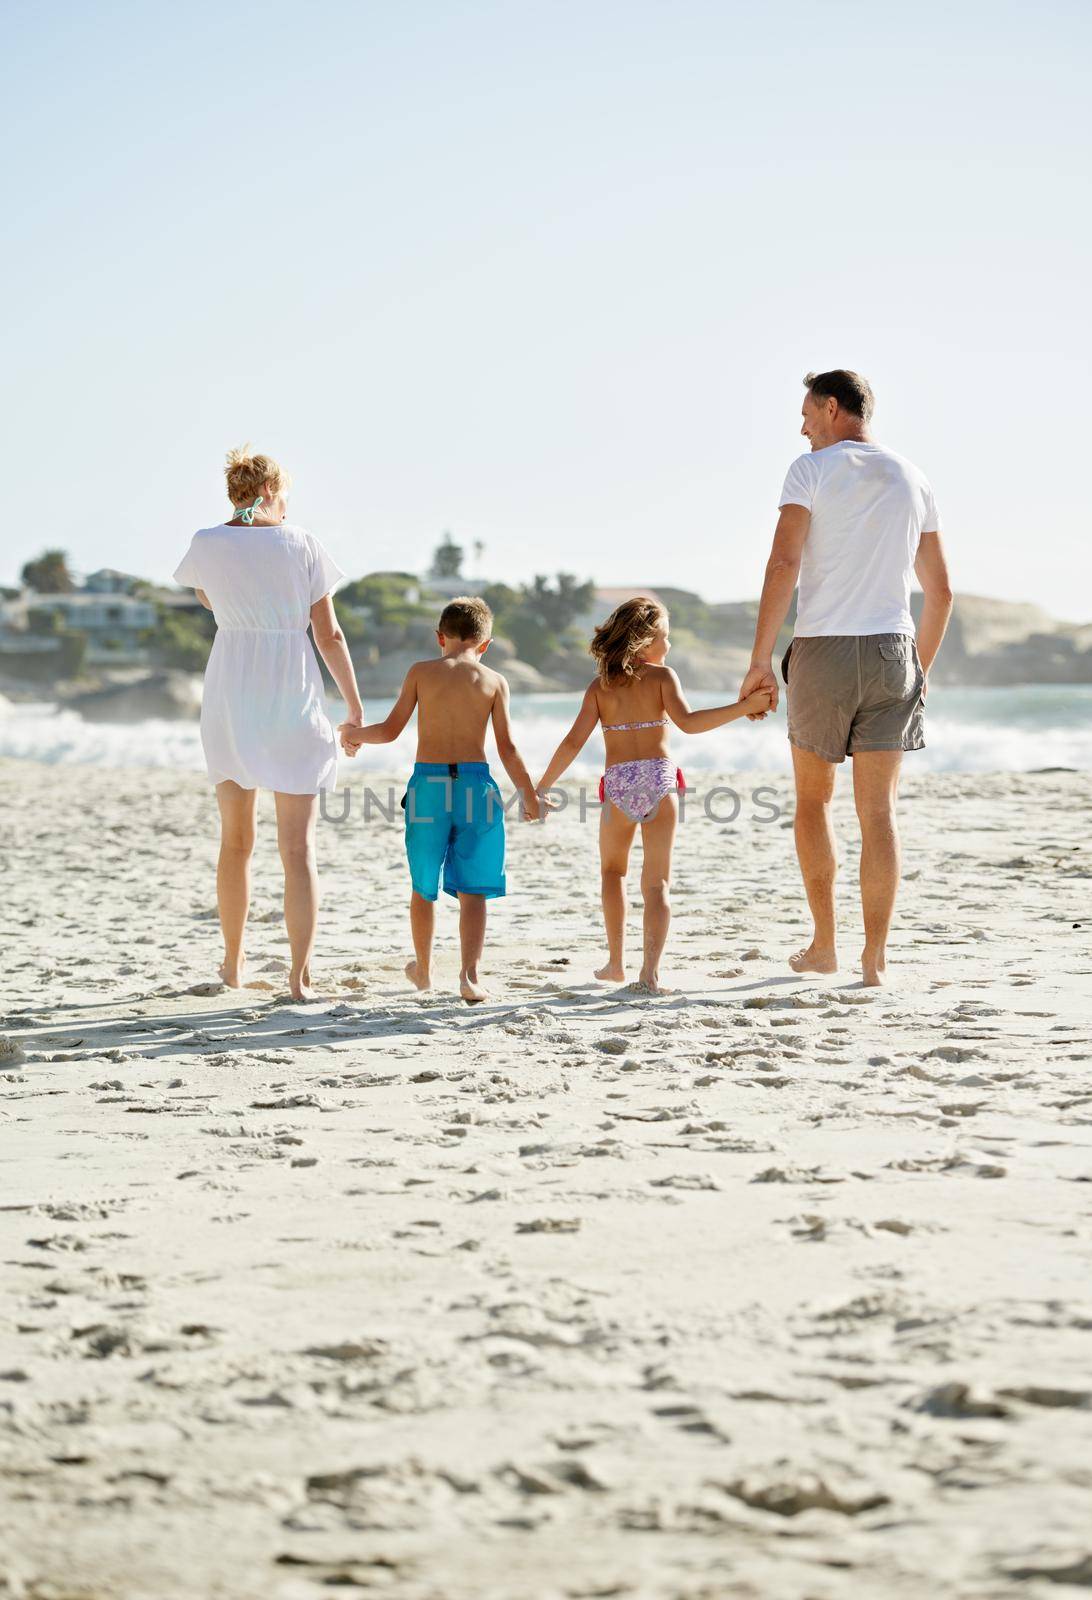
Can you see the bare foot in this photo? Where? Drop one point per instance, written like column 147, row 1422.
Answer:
column 613, row 972
column 232, row 975
column 814, row 960
column 417, row 975
column 471, row 990
column 873, row 969
column 649, row 983
column 301, row 991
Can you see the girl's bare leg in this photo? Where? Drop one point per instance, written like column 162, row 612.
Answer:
column 658, row 841
column 422, row 920
column 296, row 841
column 616, row 835
column 238, row 809
column 472, row 943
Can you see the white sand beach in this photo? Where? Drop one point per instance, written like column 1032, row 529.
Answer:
column 775, row 1287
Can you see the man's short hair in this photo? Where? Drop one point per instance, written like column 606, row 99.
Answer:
column 852, row 392
column 466, row 617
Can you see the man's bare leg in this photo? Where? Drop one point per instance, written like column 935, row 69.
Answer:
column 814, row 833
column 238, row 808
column 422, row 921
column 875, row 788
column 472, row 943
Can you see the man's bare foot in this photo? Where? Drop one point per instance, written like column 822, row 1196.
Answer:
column 231, row 974
column 418, row 975
column 613, row 972
column 299, row 990
column 873, row 969
column 649, row 983
column 471, row 990
column 814, row 960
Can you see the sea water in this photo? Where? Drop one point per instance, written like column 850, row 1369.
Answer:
column 967, row 730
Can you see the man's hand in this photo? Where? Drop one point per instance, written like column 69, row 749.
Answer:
column 761, row 676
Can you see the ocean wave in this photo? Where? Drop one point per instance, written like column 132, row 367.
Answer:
column 967, row 730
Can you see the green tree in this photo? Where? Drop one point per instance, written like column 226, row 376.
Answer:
column 559, row 606
column 48, row 573
column 447, row 559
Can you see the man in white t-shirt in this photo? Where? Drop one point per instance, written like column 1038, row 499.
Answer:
column 857, row 522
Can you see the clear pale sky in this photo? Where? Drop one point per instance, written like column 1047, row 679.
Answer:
column 546, row 274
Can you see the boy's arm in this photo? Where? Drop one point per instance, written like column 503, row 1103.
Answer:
column 678, row 708
column 510, row 758
column 353, row 736
column 573, row 742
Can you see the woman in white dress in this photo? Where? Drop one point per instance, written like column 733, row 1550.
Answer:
column 263, row 717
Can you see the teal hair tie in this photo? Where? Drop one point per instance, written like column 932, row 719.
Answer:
column 247, row 516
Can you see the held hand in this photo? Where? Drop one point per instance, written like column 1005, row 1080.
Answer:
column 758, row 703
column 544, row 804
column 347, row 730
column 535, row 806
column 763, row 678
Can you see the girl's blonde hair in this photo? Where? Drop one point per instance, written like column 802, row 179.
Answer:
column 617, row 643
column 246, row 475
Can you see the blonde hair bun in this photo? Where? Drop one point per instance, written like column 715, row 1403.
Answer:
column 247, row 475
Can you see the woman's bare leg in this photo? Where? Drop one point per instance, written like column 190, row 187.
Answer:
column 238, row 809
column 296, row 841
column 658, row 842
column 616, row 835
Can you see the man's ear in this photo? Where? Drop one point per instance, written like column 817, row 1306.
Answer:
column 482, row 646
column 440, row 640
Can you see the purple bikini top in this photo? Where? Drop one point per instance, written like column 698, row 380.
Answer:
column 626, row 727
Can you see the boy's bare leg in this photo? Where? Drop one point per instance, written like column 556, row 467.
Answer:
column 422, row 921
column 658, row 841
column 472, row 943
column 616, row 834
column 875, row 786
column 238, row 808
column 818, row 863
column 296, row 815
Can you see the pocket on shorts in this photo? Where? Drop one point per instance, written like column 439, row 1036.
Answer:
column 899, row 669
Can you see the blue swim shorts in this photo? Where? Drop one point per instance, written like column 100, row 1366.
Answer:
column 454, row 822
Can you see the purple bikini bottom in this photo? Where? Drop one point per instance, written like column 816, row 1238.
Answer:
column 637, row 787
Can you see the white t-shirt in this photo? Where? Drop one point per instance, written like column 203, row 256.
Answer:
column 869, row 507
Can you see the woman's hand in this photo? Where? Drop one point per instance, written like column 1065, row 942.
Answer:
column 351, row 732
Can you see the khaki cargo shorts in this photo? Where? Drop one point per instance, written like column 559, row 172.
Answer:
column 856, row 692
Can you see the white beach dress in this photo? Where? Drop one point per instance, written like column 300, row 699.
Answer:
column 263, row 716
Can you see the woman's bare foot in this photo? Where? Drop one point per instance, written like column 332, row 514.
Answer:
column 874, row 968
column 613, row 972
column 471, row 990
column 814, row 959
column 231, row 973
column 418, row 975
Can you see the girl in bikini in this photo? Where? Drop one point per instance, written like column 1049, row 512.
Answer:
column 634, row 696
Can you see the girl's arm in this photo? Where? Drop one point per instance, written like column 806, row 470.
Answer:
column 677, row 708
column 331, row 646
column 573, row 742
column 204, row 599
column 353, row 736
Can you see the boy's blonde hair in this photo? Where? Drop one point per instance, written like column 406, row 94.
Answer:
column 247, row 475
column 617, row 643
column 466, row 617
